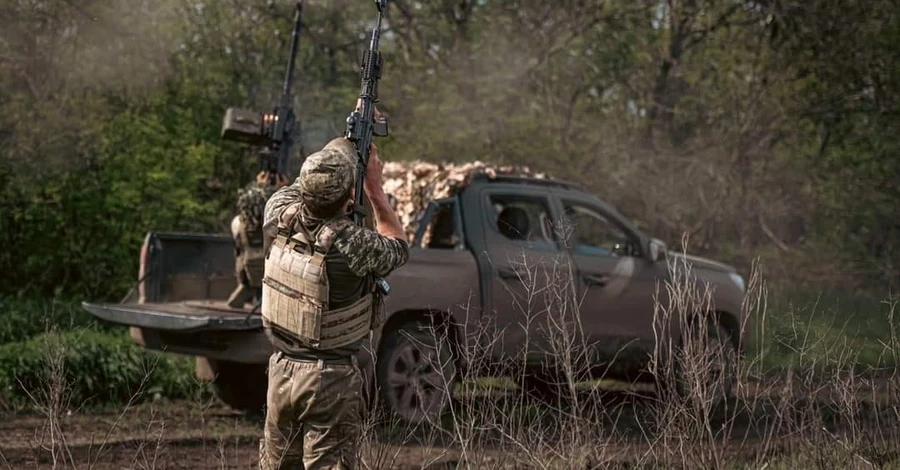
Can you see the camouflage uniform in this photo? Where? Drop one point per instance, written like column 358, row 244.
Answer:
column 314, row 399
column 247, row 231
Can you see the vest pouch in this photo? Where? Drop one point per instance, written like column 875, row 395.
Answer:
column 344, row 326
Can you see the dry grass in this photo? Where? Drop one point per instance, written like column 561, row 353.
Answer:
column 823, row 412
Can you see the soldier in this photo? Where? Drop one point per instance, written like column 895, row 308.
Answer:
column 319, row 304
column 246, row 229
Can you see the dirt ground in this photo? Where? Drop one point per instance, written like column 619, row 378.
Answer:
column 192, row 435
column 180, row 435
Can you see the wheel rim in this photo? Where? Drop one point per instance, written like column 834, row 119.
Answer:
column 415, row 382
column 720, row 361
column 713, row 376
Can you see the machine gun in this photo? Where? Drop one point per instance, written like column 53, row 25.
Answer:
column 361, row 124
column 273, row 130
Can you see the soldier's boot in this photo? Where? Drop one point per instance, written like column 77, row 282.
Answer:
column 241, row 295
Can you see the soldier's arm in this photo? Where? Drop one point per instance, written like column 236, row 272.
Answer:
column 280, row 200
column 367, row 251
column 275, row 207
column 371, row 252
column 386, row 221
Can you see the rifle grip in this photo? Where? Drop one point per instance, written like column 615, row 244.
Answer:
column 367, row 212
column 380, row 127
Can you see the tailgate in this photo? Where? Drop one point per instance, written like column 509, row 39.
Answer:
column 183, row 281
column 178, row 316
column 186, row 266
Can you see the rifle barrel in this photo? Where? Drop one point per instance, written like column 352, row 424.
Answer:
column 295, row 38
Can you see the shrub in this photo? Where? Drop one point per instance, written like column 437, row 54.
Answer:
column 98, row 368
column 29, row 316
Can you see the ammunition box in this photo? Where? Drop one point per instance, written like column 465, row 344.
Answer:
column 243, row 126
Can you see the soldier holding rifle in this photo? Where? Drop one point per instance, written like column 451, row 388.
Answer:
column 323, row 288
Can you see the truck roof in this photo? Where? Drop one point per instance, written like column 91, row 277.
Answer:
column 554, row 182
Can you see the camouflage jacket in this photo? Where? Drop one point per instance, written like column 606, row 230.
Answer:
column 251, row 204
column 367, row 252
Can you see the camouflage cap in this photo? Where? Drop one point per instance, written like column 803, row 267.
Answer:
column 328, row 174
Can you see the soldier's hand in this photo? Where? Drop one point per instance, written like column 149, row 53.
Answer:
column 280, row 181
column 373, row 181
column 262, row 177
column 377, row 114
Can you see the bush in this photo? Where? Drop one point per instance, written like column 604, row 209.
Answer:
column 26, row 317
column 98, row 368
column 811, row 324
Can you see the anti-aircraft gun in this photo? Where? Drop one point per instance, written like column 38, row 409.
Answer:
column 272, row 131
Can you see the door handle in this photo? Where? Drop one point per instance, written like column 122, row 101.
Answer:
column 508, row 274
column 596, row 279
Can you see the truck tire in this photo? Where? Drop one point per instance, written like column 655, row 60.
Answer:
column 543, row 387
column 415, row 375
column 240, row 386
column 722, row 374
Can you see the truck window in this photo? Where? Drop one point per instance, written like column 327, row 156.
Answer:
column 591, row 233
column 441, row 231
column 523, row 219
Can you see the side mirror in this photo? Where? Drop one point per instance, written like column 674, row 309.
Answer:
column 656, row 249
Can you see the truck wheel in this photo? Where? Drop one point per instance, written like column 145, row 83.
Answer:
column 544, row 388
column 240, row 386
column 415, row 374
column 716, row 366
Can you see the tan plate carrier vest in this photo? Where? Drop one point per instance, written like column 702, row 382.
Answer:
column 295, row 291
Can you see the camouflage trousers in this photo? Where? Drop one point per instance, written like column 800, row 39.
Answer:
column 313, row 417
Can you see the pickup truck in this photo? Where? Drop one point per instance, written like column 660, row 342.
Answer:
column 477, row 257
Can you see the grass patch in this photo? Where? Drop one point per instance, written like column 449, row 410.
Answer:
column 807, row 326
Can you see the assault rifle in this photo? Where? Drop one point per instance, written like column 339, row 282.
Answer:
column 273, row 130
column 361, row 123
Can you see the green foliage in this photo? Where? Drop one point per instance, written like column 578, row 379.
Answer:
column 98, row 368
column 832, row 330
column 24, row 318
column 765, row 129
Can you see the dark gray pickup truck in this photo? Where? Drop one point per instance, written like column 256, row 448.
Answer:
column 486, row 256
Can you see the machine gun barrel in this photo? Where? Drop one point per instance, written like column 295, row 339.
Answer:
column 273, row 131
column 284, row 113
column 295, row 40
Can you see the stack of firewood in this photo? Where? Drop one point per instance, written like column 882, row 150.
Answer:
column 411, row 185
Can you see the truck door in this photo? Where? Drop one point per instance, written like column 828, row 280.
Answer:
column 613, row 277
column 519, row 262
